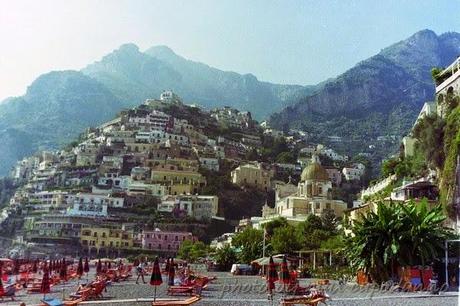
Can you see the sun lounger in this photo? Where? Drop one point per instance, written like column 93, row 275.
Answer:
column 173, row 290
column 189, row 301
column 58, row 302
column 303, row 301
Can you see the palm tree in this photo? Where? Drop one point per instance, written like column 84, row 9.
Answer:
column 423, row 240
column 404, row 234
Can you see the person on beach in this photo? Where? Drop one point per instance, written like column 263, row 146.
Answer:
column 140, row 269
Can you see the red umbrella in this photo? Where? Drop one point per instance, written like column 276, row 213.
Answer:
column 99, row 266
column 272, row 275
column 109, row 266
column 156, row 280
column 80, row 267
column 171, row 272
column 63, row 270
column 86, row 266
column 284, row 275
column 167, row 265
column 16, row 266
column 2, row 290
column 35, row 267
column 45, row 286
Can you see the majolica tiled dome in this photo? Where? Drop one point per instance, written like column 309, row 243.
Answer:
column 314, row 172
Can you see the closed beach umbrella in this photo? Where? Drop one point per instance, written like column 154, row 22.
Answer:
column 63, row 270
column 109, row 266
column 80, row 267
column 16, row 267
column 284, row 275
column 99, row 266
column 86, row 266
column 35, row 267
column 167, row 265
column 2, row 291
column 45, row 286
column 272, row 275
column 171, row 272
column 156, row 280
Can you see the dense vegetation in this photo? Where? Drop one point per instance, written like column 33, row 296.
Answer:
column 283, row 238
column 396, row 235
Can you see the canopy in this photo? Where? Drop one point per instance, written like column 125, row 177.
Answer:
column 264, row 261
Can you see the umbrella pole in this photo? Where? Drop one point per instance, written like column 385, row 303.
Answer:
column 155, row 294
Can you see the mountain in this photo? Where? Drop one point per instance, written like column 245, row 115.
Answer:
column 61, row 104
column 380, row 96
column 134, row 76
column 55, row 109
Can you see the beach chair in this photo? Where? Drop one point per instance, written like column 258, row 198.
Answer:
column 185, row 290
column 57, row 302
column 303, row 301
column 191, row 300
column 81, row 294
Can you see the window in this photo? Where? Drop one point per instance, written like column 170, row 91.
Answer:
column 317, row 205
column 159, row 246
column 328, row 205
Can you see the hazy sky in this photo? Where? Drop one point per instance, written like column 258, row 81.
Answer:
column 301, row 42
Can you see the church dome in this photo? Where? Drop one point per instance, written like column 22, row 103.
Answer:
column 314, row 172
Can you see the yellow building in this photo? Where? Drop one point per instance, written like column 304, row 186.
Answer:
column 252, row 175
column 105, row 238
column 180, row 180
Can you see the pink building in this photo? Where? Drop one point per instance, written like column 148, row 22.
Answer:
column 164, row 241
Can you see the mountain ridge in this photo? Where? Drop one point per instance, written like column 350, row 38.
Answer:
column 379, row 96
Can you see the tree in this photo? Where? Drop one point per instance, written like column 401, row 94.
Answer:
column 225, row 257
column 312, row 223
column 286, row 240
column 192, row 250
column 429, row 131
column 250, row 241
column 329, row 221
column 275, row 223
column 286, row 158
column 405, row 234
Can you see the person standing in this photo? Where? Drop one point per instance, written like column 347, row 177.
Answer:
column 141, row 271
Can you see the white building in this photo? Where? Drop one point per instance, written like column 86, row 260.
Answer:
column 195, row 206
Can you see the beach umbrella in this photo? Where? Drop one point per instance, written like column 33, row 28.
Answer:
column 109, row 266
column 272, row 276
column 86, row 266
column 167, row 265
column 284, row 275
column 45, row 286
column 171, row 272
column 2, row 290
column 16, row 266
column 136, row 262
column 80, row 267
column 99, row 267
column 35, row 267
column 156, row 280
column 63, row 270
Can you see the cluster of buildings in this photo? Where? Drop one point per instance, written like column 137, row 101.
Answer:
column 143, row 157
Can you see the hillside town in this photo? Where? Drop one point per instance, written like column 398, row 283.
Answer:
column 239, row 154
column 95, row 192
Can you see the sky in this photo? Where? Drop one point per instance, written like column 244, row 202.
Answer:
column 291, row 42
